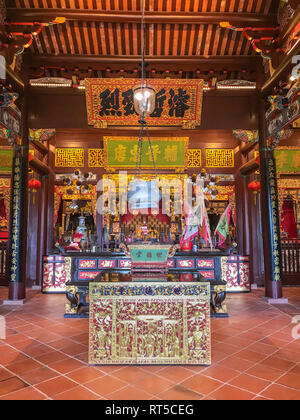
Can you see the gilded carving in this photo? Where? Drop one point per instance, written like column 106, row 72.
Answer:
column 152, row 323
column 220, row 158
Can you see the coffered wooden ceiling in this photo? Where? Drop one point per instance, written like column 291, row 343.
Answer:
column 181, row 35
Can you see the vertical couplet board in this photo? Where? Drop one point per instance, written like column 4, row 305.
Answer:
column 150, row 323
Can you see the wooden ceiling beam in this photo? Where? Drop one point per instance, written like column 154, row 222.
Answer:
column 292, row 25
column 282, row 71
column 100, row 62
column 46, row 15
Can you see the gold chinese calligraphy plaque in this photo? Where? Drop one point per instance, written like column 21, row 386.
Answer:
column 167, row 152
column 177, row 102
column 150, row 323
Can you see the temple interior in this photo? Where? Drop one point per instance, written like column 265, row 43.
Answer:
column 149, row 200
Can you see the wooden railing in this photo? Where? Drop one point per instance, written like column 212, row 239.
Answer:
column 3, row 264
column 291, row 261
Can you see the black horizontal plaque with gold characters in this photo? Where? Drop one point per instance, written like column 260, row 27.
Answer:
column 177, row 102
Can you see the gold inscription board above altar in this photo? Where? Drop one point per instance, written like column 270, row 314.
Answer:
column 150, row 323
column 177, row 102
column 167, row 152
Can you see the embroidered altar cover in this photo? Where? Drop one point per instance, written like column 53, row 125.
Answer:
column 150, row 323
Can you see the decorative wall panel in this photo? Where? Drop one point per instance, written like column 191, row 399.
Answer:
column 69, row 158
column 96, row 158
column 194, row 158
column 220, row 158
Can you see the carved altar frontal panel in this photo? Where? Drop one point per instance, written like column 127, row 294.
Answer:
column 168, row 327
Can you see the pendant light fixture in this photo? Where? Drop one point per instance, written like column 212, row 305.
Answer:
column 143, row 95
column 143, row 195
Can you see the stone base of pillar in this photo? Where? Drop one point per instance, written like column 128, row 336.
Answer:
column 14, row 302
column 280, row 301
column 254, row 286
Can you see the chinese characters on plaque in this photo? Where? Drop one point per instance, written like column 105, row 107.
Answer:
column 177, row 102
column 121, row 152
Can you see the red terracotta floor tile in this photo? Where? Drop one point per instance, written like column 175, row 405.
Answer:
column 252, row 356
column 24, row 366
column 129, row 374
column 85, row 374
column 153, row 384
column 26, row 394
column 220, row 373
column 201, row 384
column 52, row 357
column 175, row 373
column 279, row 392
column 78, row 393
column 129, row 393
column 39, row 375
column 236, row 363
column 180, row 393
column 11, row 384
column 291, row 380
column 56, row 386
column 278, row 363
column 264, row 372
column 228, row 392
column 250, row 383
column 73, row 349
column 11, row 356
column 105, row 385
column 5, row 374
column 66, row 365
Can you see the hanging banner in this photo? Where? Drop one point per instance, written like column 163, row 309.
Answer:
column 168, row 152
column 110, row 102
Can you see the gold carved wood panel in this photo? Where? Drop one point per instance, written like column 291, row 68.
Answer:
column 69, row 157
column 219, row 158
column 171, row 326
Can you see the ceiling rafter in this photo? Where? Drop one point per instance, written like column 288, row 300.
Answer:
column 43, row 15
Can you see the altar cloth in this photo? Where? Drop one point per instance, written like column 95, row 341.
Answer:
column 150, row 323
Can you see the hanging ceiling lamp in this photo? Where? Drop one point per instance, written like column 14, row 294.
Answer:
column 144, row 100
column 143, row 95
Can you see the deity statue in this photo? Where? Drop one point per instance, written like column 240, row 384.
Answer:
column 102, row 338
column 197, row 338
column 149, row 344
column 171, row 342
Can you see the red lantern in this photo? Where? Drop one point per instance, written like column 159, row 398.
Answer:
column 255, row 187
column 34, row 185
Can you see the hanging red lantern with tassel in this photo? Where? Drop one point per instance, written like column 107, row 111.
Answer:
column 255, row 187
column 34, row 185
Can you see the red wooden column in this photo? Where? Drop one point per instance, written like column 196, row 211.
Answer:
column 18, row 216
column 270, row 215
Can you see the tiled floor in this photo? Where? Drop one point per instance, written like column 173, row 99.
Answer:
column 254, row 356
